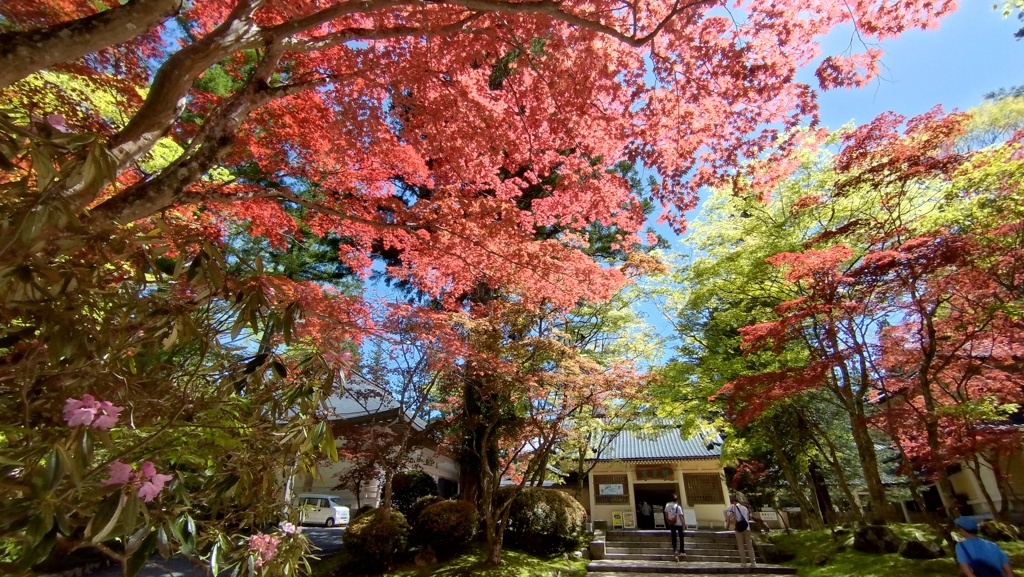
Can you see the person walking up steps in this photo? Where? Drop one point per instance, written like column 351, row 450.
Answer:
column 738, row 517
column 674, row 520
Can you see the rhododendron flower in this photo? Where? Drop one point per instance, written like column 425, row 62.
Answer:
column 148, row 481
column 120, row 474
column 152, row 482
column 264, row 546
column 91, row 413
column 288, row 528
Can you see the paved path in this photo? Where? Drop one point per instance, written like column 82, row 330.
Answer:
column 328, row 540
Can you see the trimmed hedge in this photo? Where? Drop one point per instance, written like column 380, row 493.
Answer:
column 447, row 526
column 544, row 521
column 362, row 511
column 418, row 507
column 409, row 486
column 376, row 542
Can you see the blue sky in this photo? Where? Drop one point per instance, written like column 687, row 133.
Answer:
column 973, row 52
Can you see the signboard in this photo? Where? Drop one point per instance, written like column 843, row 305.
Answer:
column 690, row 517
column 628, row 520
column 654, row 472
column 611, row 489
column 768, row 515
column 616, row 519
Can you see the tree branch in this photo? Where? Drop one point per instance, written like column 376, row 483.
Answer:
column 149, row 197
column 553, row 8
column 28, row 52
column 355, row 34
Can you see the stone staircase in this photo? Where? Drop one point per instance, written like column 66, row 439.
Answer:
column 650, row 552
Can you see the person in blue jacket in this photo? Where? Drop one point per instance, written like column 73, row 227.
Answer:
column 978, row 557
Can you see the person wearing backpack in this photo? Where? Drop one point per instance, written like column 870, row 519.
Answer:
column 737, row 516
column 674, row 521
column 978, row 557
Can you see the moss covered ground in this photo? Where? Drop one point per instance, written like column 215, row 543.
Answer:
column 514, row 564
column 845, row 562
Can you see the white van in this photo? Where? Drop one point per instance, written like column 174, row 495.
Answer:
column 323, row 510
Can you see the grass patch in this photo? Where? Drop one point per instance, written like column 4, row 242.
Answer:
column 845, row 562
column 470, row 564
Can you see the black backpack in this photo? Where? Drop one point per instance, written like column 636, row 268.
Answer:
column 741, row 523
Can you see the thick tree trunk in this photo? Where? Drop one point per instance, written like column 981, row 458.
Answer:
column 824, row 499
column 386, row 493
column 837, row 468
column 915, row 493
column 470, row 465
column 1006, row 491
column 975, row 466
column 811, row 510
column 869, row 463
column 865, row 444
column 28, row 52
column 933, row 435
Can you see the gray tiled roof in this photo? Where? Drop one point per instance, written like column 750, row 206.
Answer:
column 363, row 399
column 662, row 443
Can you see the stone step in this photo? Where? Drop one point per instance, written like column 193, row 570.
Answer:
column 609, row 567
column 695, row 537
column 626, row 574
column 688, row 549
column 721, row 559
column 668, row 545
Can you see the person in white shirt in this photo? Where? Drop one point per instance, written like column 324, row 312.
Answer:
column 674, row 521
column 737, row 517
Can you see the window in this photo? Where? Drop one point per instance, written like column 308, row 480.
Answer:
column 703, row 489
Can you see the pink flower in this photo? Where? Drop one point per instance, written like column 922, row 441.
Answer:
column 91, row 413
column 120, row 474
column 148, row 481
column 57, row 122
column 288, row 528
column 150, row 489
column 264, row 546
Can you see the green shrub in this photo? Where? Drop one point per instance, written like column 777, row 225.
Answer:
column 447, row 526
column 409, row 486
column 418, row 507
column 376, row 542
column 362, row 511
column 544, row 521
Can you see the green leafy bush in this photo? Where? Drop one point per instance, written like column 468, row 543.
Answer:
column 418, row 507
column 544, row 521
column 377, row 542
column 362, row 511
column 447, row 526
column 409, row 486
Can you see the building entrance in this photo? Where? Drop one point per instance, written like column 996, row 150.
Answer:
column 654, row 495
